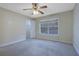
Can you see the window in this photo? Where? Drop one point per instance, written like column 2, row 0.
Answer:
column 49, row 27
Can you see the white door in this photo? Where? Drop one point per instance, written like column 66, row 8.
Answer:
column 30, row 29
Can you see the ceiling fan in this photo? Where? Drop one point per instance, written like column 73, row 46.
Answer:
column 36, row 8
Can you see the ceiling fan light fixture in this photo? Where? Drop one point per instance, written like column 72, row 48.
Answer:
column 35, row 12
column 36, row 9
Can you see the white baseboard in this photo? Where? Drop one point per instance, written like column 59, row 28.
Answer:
column 6, row 44
column 76, row 49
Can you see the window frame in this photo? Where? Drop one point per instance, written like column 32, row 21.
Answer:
column 48, row 30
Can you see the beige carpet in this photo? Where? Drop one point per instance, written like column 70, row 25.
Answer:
column 34, row 47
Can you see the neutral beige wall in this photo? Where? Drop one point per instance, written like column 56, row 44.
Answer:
column 65, row 27
column 12, row 26
column 76, row 28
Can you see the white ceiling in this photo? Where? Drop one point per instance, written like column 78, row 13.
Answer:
column 52, row 8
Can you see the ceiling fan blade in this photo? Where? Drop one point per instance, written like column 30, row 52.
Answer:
column 41, row 12
column 28, row 9
column 43, row 6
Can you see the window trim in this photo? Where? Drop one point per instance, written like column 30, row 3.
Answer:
column 48, row 30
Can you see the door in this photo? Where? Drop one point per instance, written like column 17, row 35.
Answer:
column 28, row 29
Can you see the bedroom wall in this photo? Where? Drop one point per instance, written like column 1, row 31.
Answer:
column 76, row 28
column 12, row 26
column 65, row 27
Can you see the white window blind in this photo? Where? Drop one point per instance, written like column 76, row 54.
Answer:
column 49, row 27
